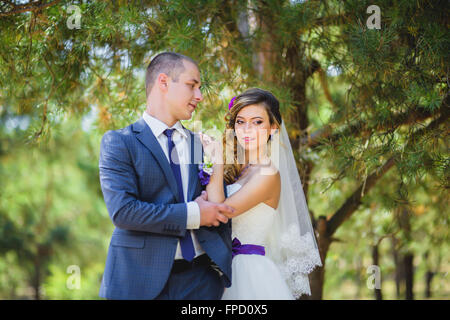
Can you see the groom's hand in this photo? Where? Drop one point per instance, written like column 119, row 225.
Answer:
column 212, row 214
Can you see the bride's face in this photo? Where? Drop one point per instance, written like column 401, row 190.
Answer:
column 252, row 127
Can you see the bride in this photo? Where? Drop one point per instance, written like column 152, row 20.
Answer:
column 274, row 247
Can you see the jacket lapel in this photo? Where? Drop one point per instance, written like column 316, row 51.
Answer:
column 196, row 157
column 145, row 135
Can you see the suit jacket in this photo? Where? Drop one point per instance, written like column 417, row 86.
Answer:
column 141, row 196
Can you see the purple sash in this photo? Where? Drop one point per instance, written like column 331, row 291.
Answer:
column 238, row 248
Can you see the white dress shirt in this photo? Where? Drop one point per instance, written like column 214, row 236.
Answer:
column 179, row 138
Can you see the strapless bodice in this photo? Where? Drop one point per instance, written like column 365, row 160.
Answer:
column 252, row 226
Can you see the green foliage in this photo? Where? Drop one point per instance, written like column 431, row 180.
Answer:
column 52, row 214
column 379, row 94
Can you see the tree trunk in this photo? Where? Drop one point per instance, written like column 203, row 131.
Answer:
column 428, row 279
column 360, row 276
column 318, row 275
column 403, row 218
column 398, row 268
column 409, row 275
column 266, row 60
column 428, row 276
column 376, row 262
column 36, row 282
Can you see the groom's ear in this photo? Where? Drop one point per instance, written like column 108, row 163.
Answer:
column 162, row 81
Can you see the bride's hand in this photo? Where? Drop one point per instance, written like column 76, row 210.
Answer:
column 212, row 148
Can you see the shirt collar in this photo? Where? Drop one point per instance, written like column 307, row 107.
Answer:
column 158, row 127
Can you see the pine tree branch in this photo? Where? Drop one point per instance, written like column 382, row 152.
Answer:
column 44, row 111
column 332, row 20
column 30, row 6
column 360, row 128
column 30, row 46
column 388, row 235
column 313, row 67
column 326, row 90
column 353, row 202
column 21, row 5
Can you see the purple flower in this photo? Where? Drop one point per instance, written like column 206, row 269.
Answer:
column 203, row 176
column 230, row 105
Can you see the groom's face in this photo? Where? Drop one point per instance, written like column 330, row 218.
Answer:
column 184, row 93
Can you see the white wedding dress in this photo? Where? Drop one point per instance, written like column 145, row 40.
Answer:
column 254, row 276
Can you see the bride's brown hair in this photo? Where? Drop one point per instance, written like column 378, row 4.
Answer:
column 249, row 97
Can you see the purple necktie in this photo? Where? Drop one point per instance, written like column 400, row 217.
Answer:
column 187, row 247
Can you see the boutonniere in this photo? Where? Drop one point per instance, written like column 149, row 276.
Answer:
column 206, row 168
column 205, row 172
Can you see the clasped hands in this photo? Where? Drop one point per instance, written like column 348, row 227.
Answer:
column 211, row 213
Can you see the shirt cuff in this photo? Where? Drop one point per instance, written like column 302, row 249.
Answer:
column 193, row 215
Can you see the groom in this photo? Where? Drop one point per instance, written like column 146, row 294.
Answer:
column 169, row 242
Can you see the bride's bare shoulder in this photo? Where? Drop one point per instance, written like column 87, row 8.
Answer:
column 267, row 176
column 261, row 186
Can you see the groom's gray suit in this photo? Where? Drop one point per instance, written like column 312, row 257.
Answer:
column 141, row 196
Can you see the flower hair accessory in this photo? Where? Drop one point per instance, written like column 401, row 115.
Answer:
column 230, row 105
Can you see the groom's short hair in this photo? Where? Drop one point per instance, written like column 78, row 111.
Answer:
column 170, row 63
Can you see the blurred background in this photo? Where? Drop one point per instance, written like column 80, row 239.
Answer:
column 364, row 92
